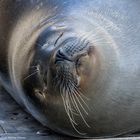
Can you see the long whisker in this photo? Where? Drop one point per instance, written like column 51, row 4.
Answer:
column 67, row 111
column 80, row 94
column 66, row 100
column 80, row 112
column 79, row 90
column 77, row 93
column 30, row 75
column 72, row 101
column 80, row 103
column 67, row 106
column 77, row 129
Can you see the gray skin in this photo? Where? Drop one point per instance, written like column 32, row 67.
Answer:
column 74, row 64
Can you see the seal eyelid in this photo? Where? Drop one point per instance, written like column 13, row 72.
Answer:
column 58, row 38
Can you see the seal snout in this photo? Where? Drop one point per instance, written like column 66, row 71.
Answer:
column 61, row 56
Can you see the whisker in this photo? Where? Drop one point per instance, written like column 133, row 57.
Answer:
column 77, row 92
column 66, row 105
column 69, row 105
column 80, row 112
column 30, row 75
column 71, row 98
column 65, row 101
column 67, row 111
column 72, row 101
column 73, row 125
column 80, row 104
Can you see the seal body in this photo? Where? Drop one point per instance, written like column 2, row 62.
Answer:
column 74, row 65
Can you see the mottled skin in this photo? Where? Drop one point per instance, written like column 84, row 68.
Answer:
column 73, row 64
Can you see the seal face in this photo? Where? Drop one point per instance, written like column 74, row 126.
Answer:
column 68, row 64
column 72, row 68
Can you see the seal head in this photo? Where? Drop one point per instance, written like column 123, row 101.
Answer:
column 64, row 73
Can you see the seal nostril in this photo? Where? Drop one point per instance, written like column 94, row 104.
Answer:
column 60, row 56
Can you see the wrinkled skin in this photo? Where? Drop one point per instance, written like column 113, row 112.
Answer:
column 74, row 65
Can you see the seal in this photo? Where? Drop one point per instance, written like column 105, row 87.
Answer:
column 76, row 71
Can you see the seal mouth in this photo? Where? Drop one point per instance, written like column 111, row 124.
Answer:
column 74, row 101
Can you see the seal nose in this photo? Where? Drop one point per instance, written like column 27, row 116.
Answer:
column 61, row 56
